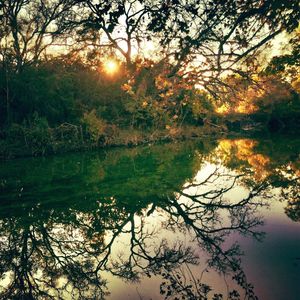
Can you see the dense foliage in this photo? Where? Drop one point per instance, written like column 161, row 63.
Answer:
column 177, row 63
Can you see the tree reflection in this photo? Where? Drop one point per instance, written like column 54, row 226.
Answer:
column 210, row 217
column 267, row 162
column 44, row 261
column 189, row 224
column 49, row 257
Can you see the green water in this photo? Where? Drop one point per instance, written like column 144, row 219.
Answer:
column 177, row 221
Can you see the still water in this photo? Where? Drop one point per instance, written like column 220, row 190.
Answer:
column 193, row 220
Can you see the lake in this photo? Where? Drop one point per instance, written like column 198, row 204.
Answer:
column 201, row 219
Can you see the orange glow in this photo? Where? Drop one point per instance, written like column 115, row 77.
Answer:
column 243, row 149
column 111, row 66
column 223, row 109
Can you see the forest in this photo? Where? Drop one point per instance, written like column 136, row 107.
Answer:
column 85, row 74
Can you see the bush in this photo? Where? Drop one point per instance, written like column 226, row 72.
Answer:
column 95, row 126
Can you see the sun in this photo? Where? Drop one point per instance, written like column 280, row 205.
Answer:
column 111, row 66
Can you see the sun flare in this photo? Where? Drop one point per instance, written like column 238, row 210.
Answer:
column 110, row 66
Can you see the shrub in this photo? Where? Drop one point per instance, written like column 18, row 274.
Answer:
column 95, row 126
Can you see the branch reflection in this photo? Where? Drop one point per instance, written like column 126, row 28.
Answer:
column 177, row 235
column 49, row 257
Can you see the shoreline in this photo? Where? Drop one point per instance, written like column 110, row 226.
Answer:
column 124, row 138
column 121, row 138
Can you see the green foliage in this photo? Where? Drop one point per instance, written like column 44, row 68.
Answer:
column 95, row 125
column 45, row 105
column 61, row 90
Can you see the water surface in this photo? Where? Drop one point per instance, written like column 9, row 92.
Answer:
column 216, row 219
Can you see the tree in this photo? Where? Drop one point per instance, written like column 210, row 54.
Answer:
column 211, row 38
column 30, row 27
column 203, row 39
column 121, row 21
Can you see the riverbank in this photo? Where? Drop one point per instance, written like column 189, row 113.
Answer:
column 40, row 140
column 24, row 142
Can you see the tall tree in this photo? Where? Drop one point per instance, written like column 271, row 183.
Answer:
column 30, row 27
column 123, row 23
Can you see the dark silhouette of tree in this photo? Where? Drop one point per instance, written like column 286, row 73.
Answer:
column 220, row 35
column 196, row 43
column 203, row 39
column 30, row 27
column 123, row 24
